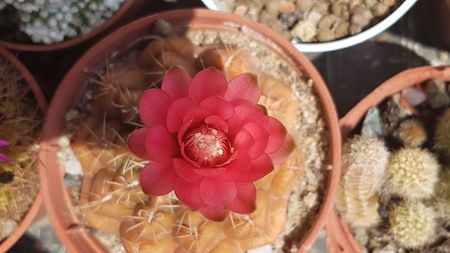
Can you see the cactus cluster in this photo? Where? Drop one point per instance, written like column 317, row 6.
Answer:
column 50, row 21
column 111, row 199
column 412, row 173
column 412, row 224
column 19, row 131
column 364, row 161
column 442, row 133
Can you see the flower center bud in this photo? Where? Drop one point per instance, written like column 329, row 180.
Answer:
column 207, row 146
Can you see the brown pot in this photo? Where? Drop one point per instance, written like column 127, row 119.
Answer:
column 339, row 236
column 35, row 206
column 65, row 221
column 128, row 7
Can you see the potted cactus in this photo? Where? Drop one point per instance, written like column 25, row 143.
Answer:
column 21, row 107
column 51, row 25
column 188, row 135
column 393, row 194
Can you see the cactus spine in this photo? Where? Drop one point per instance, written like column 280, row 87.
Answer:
column 411, row 133
column 412, row 173
column 412, row 224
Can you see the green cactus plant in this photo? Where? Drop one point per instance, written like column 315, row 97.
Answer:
column 412, row 224
column 442, row 133
column 364, row 162
column 412, row 173
column 411, row 133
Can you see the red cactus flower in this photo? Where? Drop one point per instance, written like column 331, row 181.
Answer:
column 207, row 140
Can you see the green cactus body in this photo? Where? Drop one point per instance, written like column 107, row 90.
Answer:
column 411, row 133
column 364, row 163
column 412, row 173
column 442, row 134
column 412, row 224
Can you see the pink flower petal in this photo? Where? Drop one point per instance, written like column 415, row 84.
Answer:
column 186, row 170
column 243, row 113
column 136, row 143
column 277, row 134
column 160, row 144
column 282, row 154
column 157, row 178
column 245, row 200
column 243, row 87
column 218, row 106
column 243, row 141
column 176, row 112
column 261, row 167
column 238, row 170
column 217, row 193
column 196, row 115
column 4, row 143
column 188, row 193
column 214, row 213
column 176, row 82
column 210, row 172
column 261, row 137
column 4, row 158
column 206, row 83
column 217, row 123
column 153, row 106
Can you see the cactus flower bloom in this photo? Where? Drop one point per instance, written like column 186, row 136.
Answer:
column 207, row 140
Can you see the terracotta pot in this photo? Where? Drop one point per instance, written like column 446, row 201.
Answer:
column 35, row 206
column 339, row 236
column 65, row 221
column 128, row 7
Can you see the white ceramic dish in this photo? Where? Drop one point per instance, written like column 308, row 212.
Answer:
column 349, row 41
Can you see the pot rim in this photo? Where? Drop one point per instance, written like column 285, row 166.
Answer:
column 72, row 232
column 339, row 236
column 318, row 47
column 34, row 208
column 39, row 47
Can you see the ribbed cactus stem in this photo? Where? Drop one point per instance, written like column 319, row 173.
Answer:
column 363, row 163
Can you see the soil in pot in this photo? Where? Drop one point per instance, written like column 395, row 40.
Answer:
column 394, row 192
column 104, row 175
column 48, row 22
column 20, row 127
column 314, row 21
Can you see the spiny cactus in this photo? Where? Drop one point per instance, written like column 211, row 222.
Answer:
column 412, row 173
column 442, row 133
column 364, row 162
column 50, row 21
column 411, row 133
column 442, row 195
column 412, row 224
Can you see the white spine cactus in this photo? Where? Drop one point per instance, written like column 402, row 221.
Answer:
column 412, row 173
column 412, row 224
column 364, row 163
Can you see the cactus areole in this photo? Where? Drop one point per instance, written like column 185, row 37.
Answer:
column 207, row 140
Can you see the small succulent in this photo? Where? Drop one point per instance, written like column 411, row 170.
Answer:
column 412, row 224
column 412, row 173
column 442, row 195
column 363, row 163
column 442, row 134
column 411, row 133
column 50, row 21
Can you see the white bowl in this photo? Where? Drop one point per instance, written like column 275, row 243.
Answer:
column 339, row 43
